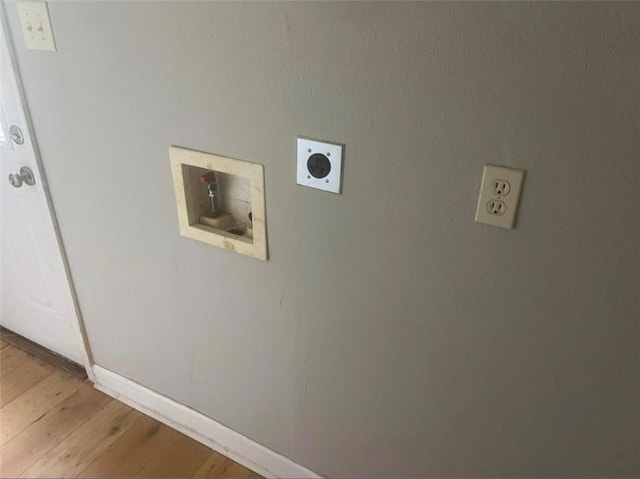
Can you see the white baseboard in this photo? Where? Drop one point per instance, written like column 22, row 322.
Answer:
column 203, row 429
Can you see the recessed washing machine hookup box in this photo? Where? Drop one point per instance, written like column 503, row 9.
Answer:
column 220, row 201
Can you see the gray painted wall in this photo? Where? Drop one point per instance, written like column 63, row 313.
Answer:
column 388, row 334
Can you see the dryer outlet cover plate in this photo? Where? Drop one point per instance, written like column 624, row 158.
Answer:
column 320, row 165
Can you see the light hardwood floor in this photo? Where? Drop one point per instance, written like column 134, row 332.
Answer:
column 54, row 424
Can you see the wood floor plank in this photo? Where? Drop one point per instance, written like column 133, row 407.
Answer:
column 22, row 378
column 180, row 457
column 213, row 466
column 238, row 470
column 44, row 434
column 86, row 443
column 217, row 465
column 30, row 406
column 130, row 453
column 57, row 425
column 41, row 352
column 10, row 358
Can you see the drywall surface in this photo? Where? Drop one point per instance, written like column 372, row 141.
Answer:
column 388, row 334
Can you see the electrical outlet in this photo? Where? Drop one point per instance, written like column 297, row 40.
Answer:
column 496, row 207
column 501, row 187
column 319, row 165
column 36, row 26
column 499, row 196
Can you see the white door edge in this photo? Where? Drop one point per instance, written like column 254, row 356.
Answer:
column 78, row 325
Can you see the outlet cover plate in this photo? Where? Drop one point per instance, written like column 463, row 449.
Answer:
column 36, row 26
column 320, row 165
column 499, row 196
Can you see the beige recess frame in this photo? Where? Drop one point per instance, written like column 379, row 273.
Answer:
column 188, row 216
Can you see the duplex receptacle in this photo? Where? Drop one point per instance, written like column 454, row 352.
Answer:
column 499, row 196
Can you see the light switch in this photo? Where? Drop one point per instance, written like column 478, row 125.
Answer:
column 36, row 26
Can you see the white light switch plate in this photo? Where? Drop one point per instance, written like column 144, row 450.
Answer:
column 36, row 26
column 319, row 165
column 499, row 196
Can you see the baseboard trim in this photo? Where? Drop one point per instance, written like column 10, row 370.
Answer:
column 199, row 427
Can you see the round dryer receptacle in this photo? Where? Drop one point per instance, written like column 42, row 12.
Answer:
column 318, row 165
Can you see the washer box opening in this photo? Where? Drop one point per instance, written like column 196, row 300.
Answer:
column 220, row 201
